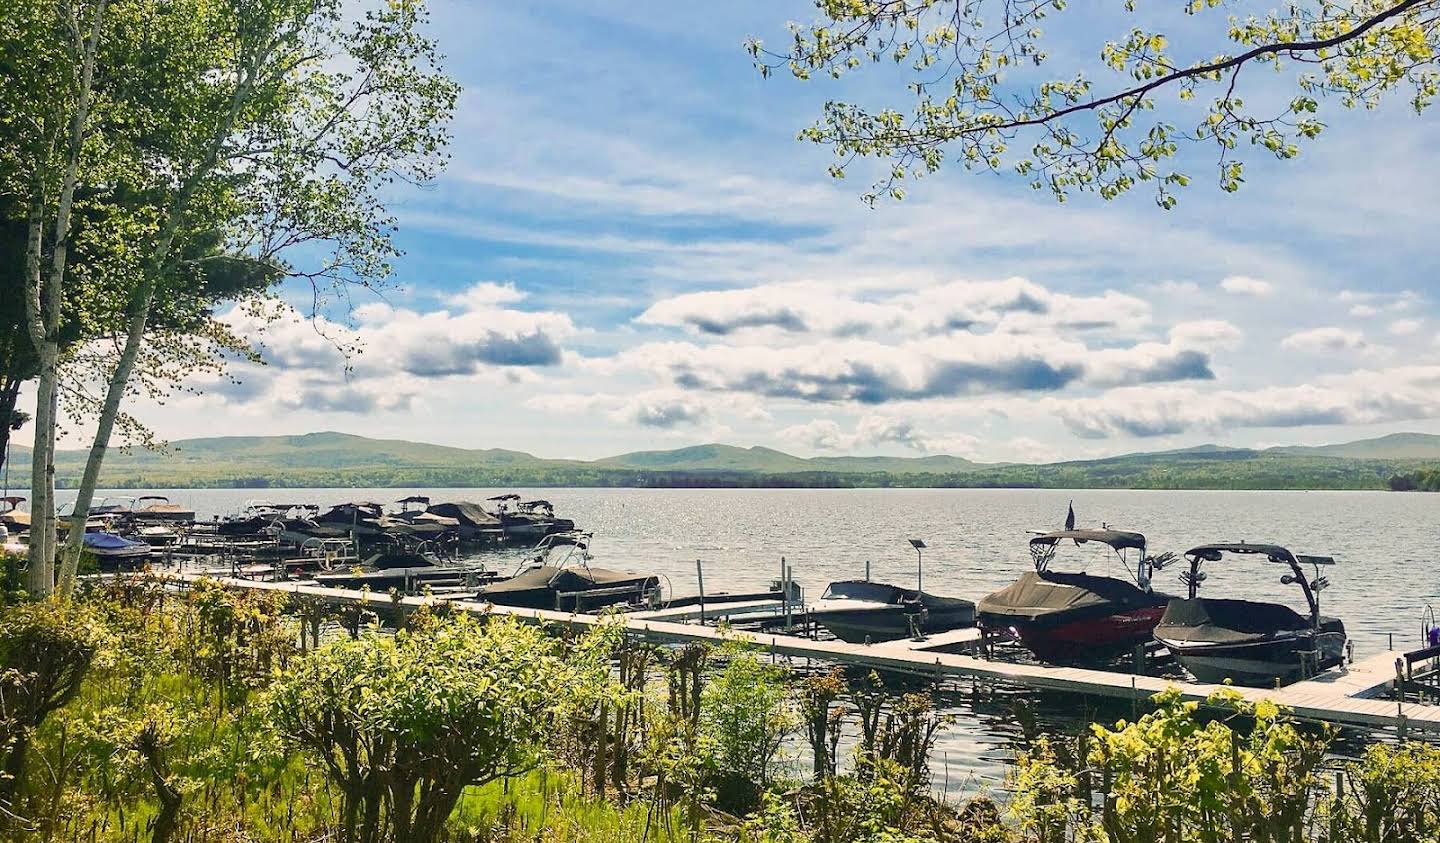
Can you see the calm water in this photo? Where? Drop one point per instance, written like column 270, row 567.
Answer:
column 1387, row 546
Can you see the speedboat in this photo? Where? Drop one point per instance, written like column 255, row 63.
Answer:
column 142, row 508
column 1249, row 642
column 860, row 611
column 12, row 517
column 110, row 549
column 474, row 523
column 526, row 521
column 404, row 570
column 561, row 577
column 1079, row 617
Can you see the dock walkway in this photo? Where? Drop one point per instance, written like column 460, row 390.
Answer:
column 1345, row 696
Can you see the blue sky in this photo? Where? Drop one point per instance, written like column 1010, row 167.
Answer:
column 631, row 250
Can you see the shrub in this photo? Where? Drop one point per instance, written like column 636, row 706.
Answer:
column 46, row 649
column 404, row 724
column 1391, row 796
column 745, row 711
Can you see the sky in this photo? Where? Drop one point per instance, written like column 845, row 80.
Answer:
column 631, row 250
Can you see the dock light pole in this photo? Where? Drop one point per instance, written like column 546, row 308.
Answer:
column 919, row 563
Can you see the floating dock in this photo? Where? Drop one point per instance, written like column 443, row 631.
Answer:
column 1347, row 696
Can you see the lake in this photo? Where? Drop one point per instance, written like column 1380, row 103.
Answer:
column 1387, row 547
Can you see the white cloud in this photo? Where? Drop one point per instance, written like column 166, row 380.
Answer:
column 1405, row 327
column 1356, row 398
column 873, row 431
column 1246, row 286
column 1325, row 340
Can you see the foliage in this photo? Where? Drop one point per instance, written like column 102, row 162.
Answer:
column 1171, row 776
column 984, row 94
column 403, row 724
column 1422, row 480
column 45, row 651
column 746, row 713
column 1392, row 796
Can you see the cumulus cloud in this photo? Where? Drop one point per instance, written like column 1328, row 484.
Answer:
column 1244, row 285
column 1325, row 340
column 380, row 360
column 1405, row 327
column 1362, row 397
column 1013, row 305
column 872, row 431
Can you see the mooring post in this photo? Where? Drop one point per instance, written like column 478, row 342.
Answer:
column 700, row 579
column 867, row 570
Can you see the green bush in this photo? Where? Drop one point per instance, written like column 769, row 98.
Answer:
column 746, row 713
column 46, row 648
column 404, row 724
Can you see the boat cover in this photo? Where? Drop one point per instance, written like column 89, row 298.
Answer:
column 894, row 595
column 387, row 561
column 568, row 580
column 110, row 541
column 1225, row 621
column 466, row 512
column 1036, row 595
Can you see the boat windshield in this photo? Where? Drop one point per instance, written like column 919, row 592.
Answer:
column 1273, row 553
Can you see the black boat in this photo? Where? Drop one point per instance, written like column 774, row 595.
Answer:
column 474, row 523
column 1249, row 642
column 860, row 611
column 560, row 577
column 528, row 521
column 1079, row 617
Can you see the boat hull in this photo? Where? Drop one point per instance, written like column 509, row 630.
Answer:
column 890, row 623
column 1088, row 639
column 1260, row 664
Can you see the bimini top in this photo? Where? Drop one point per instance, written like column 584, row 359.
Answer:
column 1272, row 552
column 1117, row 539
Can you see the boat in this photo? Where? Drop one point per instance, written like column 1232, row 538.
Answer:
column 860, row 611
column 1068, row 618
column 474, row 523
column 561, row 577
column 1249, row 642
column 12, row 517
column 528, row 521
column 142, row 508
column 110, row 549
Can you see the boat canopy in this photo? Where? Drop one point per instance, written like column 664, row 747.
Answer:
column 425, row 499
column 510, row 497
column 1117, row 539
column 1272, row 553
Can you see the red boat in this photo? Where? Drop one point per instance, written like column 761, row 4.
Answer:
column 1079, row 617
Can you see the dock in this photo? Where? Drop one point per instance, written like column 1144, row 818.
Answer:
column 1348, row 696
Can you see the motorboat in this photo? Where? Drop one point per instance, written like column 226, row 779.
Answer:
column 142, row 508
column 528, row 521
column 1065, row 617
column 860, row 611
column 258, row 516
column 473, row 522
column 1249, row 642
column 12, row 517
column 561, row 577
column 112, row 550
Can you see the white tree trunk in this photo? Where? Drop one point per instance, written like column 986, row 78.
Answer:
column 114, row 392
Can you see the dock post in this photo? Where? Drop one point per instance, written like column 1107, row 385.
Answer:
column 700, row 579
column 785, row 593
column 867, row 570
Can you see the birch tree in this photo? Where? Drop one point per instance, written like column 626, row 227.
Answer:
column 288, row 118
column 983, row 90
column 53, row 45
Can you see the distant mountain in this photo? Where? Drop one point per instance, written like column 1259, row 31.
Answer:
column 1396, row 446
column 344, row 460
column 771, row 461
